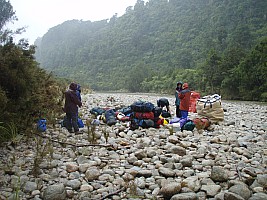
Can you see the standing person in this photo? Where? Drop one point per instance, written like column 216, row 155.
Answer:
column 72, row 103
column 177, row 100
column 162, row 102
column 184, row 97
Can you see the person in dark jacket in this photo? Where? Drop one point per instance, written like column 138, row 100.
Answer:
column 184, row 97
column 177, row 100
column 162, row 102
column 72, row 103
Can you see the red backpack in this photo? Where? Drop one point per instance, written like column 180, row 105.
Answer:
column 144, row 115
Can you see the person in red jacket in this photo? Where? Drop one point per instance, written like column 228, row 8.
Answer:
column 72, row 103
column 184, row 96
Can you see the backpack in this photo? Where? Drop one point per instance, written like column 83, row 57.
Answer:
column 201, row 123
column 144, row 115
column 97, row 111
column 158, row 122
column 110, row 117
column 189, row 126
column 142, row 106
column 147, row 123
column 41, row 125
column 165, row 114
column 125, row 110
column 157, row 111
column 80, row 123
column 133, row 124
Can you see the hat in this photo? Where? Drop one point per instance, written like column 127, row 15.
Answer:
column 185, row 85
column 73, row 86
column 179, row 82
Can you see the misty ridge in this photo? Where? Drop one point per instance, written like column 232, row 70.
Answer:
column 157, row 43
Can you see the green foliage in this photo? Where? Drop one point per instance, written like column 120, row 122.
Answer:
column 156, row 43
column 27, row 92
column 3, row 100
column 263, row 97
column 9, row 132
column 253, row 73
column 43, row 148
column 91, row 130
column 6, row 13
column 105, row 133
column 211, row 73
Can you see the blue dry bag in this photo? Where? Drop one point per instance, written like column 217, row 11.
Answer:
column 41, row 125
column 80, row 123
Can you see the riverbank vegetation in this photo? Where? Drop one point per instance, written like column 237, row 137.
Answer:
column 27, row 92
column 216, row 46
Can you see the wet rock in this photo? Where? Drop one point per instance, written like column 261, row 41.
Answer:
column 140, row 154
column 192, row 183
column 92, row 174
column 30, row 187
column 71, row 167
column 166, row 172
column 186, row 161
column 144, row 173
column 55, row 192
column 241, row 189
column 232, row 196
column 185, row 196
column 258, row 196
column 211, row 190
column 74, row 184
column 219, row 174
column 262, row 179
column 170, row 189
column 178, row 150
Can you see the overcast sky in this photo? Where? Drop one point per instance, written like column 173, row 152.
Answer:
column 40, row 15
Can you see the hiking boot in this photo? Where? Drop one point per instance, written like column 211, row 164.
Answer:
column 71, row 131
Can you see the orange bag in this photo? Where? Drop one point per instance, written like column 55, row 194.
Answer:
column 201, row 123
column 193, row 101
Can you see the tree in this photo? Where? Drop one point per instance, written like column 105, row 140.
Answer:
column 211, row 72
column 6, row 13
column 253, row 73
column 26, row 91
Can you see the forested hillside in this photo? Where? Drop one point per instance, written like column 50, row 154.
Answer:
column 215, row 45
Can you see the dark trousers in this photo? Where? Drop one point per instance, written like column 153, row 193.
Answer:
column 72, row 122
column 178, row 112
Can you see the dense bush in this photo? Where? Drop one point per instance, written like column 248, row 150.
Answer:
column 27, row 92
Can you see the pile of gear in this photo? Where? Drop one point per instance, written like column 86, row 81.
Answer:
column 139, row 114
column 145, row 114
column 209, row 111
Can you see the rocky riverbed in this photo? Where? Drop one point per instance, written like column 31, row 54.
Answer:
column 228, row 162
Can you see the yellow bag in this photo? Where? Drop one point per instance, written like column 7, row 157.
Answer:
column 165, row 121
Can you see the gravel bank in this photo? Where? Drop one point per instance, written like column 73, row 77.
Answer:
column 226, row 163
